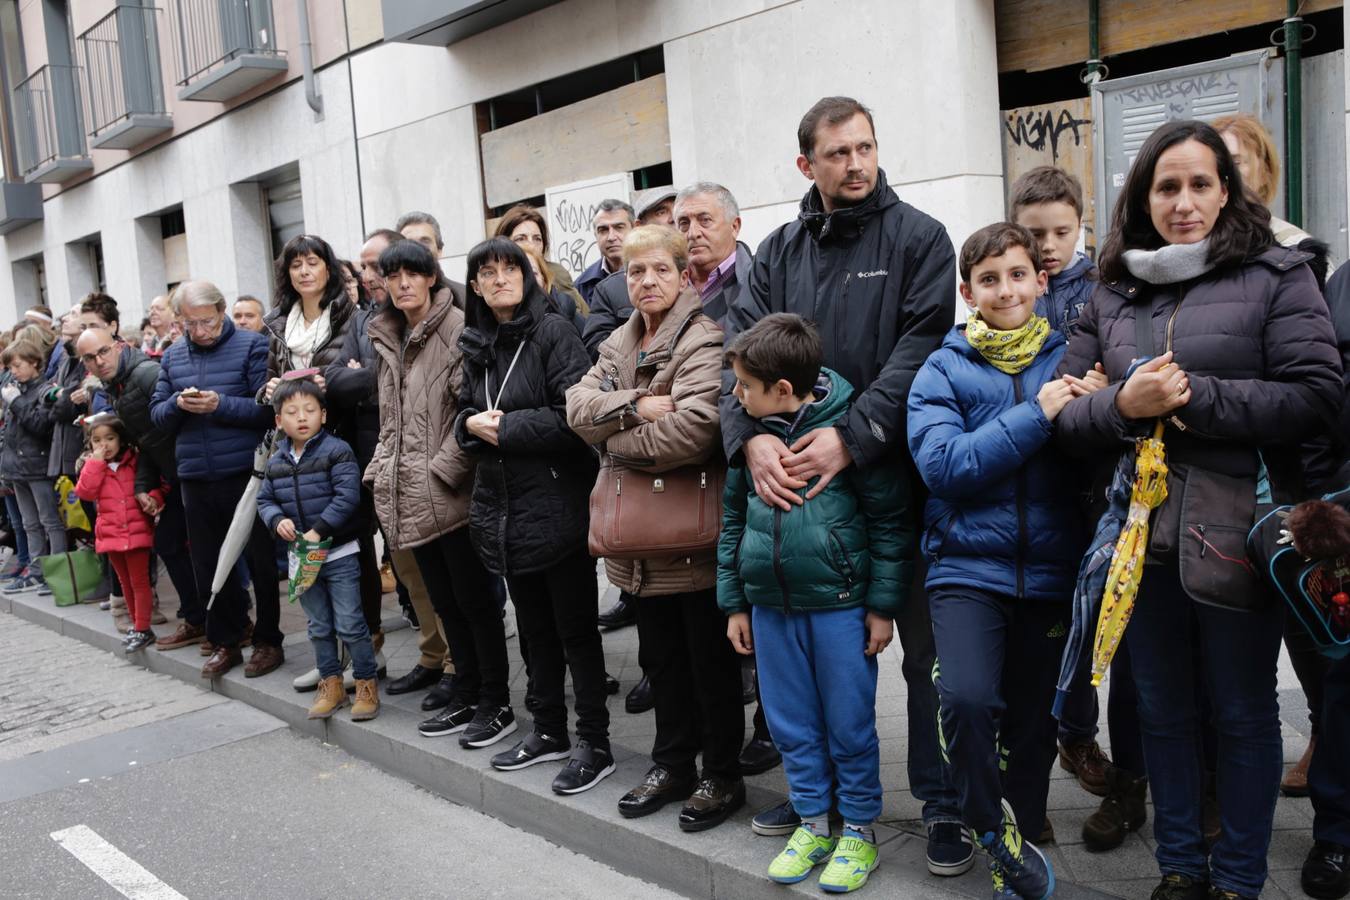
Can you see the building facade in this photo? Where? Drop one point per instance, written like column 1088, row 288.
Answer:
column 148, row 141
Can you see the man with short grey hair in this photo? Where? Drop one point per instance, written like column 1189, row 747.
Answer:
column 423, row 228
column 205, row 399
column 611, row 223
column 708, row 216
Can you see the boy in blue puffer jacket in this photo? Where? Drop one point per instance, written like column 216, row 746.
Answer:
column 312, row 489
column 823, row 583
column 1003, row 536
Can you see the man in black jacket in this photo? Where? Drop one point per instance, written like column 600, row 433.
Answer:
column 878, row 278
column 129, row 378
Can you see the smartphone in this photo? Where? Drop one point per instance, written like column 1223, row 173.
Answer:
column 190, row 392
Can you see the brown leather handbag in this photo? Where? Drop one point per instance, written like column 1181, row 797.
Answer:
column 639, row 515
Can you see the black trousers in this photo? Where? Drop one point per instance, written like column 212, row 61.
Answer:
column 372, row 595
column 171, row 546
column 556, row 611
column 209, row 508
column 463, row 595
column 696, row 680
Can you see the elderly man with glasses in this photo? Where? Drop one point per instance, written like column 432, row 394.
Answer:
column 205, row 398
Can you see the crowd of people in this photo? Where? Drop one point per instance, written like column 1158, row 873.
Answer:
column 876, row 472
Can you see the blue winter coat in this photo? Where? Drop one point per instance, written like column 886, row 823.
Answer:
column 220, row 443
column 1003, row 514
column 321, row 491
column 1067, row 294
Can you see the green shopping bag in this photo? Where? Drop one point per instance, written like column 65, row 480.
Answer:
column 71, row 575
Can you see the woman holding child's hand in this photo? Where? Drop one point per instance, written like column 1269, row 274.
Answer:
column 1211, row 332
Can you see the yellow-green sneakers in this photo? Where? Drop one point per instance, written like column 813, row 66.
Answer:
column 854, row 859
column 804, row 851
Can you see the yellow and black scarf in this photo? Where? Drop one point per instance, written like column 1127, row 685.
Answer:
column 1008, row 351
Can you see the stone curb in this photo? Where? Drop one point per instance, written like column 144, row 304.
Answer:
column 726, row 862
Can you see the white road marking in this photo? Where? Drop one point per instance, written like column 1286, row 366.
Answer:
column 126, row 876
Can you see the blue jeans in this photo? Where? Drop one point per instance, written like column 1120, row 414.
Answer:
column 819, row 693
column 333, row 604
column 1329, row 776
column 1238, row 654
column 20, row 535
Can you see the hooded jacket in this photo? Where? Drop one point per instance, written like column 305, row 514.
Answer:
column 879, row 281
column 121, row 524
column 1003, row 513
column 1257, row 345
column 129, row 393
column 610, row 306
column 850, row 545
column 531, row 492
column 1067, row 294
column 683, row 362
column 220, row 443
column 419, row 474
column 28, row 433
column 320, row 491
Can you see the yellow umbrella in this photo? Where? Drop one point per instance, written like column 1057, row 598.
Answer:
column 1127, row 563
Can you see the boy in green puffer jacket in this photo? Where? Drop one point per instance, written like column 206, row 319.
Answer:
column 812, row 592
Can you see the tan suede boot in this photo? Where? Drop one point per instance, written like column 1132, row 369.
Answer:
column 367, row 703
column 330, row 699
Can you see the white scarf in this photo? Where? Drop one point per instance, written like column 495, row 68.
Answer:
column 303, row 339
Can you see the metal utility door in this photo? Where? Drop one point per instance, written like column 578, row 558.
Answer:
column 1127, row 110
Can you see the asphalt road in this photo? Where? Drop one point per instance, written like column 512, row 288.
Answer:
column 222, row 801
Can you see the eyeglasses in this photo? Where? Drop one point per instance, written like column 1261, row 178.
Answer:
column 98, row 355
column 201, row 324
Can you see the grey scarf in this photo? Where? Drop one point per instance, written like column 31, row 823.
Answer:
column 1170, row 263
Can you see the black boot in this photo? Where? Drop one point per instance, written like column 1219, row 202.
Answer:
column 641, row 698
column 1121, row 812
column 622, row 613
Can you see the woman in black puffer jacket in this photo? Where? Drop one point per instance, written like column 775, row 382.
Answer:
column 529, row 512
column 1240, row 367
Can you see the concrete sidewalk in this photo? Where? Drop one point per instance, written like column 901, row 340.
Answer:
column 728, row 861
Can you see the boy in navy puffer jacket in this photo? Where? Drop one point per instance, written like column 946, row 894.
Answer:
column 312, row 490
column 1048, row 202
column 1003, row 536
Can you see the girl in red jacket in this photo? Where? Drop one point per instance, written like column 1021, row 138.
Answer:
column 124, row 530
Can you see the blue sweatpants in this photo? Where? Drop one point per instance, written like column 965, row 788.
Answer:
column 819, row 693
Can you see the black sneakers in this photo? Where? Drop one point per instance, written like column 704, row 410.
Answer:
column 490, row 724
column 950, row 850
column 587, row 767
column 455, row 717
column 536, row 748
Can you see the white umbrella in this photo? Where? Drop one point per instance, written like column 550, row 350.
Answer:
column 245, row 512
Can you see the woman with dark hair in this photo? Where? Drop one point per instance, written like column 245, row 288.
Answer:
column 421, row 479
column 527, row 227
column 311, row 314
column 1209, row 329
column 529, row 516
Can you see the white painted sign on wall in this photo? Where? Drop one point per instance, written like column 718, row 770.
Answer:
column 570, row 208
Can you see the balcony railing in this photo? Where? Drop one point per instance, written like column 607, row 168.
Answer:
column 224, row 47
column 49, row 125
column 125, row 87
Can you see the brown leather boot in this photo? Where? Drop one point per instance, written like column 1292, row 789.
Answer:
column 1121, row 812
column 1295, row 783
column 264, row 659
column 222, row 660
column 1088, row 763
column 367, row 703
column 185, row 634
column 330, row 699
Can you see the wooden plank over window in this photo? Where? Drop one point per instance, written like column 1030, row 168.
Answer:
column 617, row 131
column 1044, row 34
